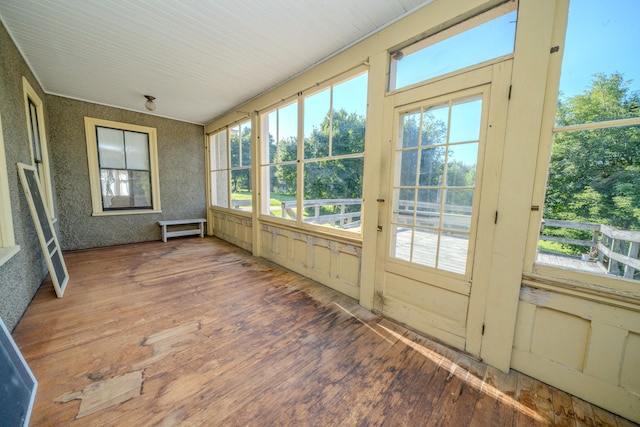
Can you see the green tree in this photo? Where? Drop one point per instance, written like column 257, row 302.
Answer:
column 594, row 175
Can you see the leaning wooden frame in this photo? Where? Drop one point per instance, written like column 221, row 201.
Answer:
column 44, row 227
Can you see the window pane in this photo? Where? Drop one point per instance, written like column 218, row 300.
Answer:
column 333, row 193
column 234, row 146
column 453, row 252
column 281, row 190
column 137, row 150
column 271, row 133
column 125, row 189
column 428, row 208
column 288, row 132
column 457, row 210
column 241, row 189
column 403, row 206
column 425, row 243
column 600, row 71
column 461, row 165
column 111, row 148
column 317, row 125
column 219, row 187
column 482, row 43
column 400, row 247
column 432, row 166
column 465, row 121
column 592, row 204
column 434, row 125
column 245, row 129
column 218, row 146
column 407, row 168
column 409, row 133
column 350, row 112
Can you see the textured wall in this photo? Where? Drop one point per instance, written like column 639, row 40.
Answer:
column 181, row 162
column 21, row 276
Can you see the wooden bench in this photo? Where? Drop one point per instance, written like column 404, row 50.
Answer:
column 177, row 233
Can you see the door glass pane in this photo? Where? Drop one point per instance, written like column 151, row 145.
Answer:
column 452, row 252
column 465, row 121
column 432, row 166
column 461, row 165
column 409, row 131
column 434, row 186
column 401, row 242
column 428, row 208
column 435, row 122
column 403, row 203
column 406, row 168
column 425, row 243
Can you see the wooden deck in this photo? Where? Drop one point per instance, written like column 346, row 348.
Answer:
column 196, row 332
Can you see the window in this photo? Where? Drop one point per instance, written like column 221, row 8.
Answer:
column 230, row 167
column 327, row 162
column 8, row 246
column 123, row 167
column 38, row 142
column 279, row 162
column 477, row 40
column 591, row 217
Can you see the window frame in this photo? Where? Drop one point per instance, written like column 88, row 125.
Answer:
column 597, row 287
column 228, row 168
column 41, row 164
column 91, row 125
column 8, row 247
column 301, row 161
column 441, row 35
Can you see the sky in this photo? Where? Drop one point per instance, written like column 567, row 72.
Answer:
column 602, row 37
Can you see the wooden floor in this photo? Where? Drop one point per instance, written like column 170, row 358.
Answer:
column 197, row 332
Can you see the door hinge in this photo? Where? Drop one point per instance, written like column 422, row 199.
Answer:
column 510, row 87
column 554, row 49
column 495, row 221
column 379, row 228
column 483, row 329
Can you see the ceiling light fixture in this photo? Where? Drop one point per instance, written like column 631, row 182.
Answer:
column 149, row 105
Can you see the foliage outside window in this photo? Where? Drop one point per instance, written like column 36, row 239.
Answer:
column 330, row 154
column 592, row 205
column 230, row 167
column 476, row 40
column 123, row 167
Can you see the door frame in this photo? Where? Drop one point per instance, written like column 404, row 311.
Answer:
column 498, row 76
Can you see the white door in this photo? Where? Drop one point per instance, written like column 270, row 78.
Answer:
column 439, row 203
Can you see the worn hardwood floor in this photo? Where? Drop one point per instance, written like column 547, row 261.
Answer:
column 197, row 332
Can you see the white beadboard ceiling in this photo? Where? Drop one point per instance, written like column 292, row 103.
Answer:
column 199, row 58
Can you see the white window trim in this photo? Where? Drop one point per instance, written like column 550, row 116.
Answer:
column 8, row 247
column 90, row 125
column 45, row 178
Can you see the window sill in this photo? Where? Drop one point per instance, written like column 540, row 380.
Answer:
column 624, row 298
column 127, row 212
column 7, row 253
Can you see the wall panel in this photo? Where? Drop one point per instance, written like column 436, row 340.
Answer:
column 589, row 348
column 332, row 263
